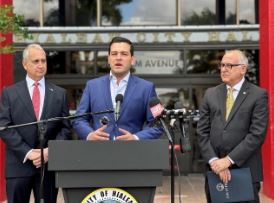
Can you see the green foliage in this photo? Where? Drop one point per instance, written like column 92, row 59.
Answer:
column 10, row 23
column 205, row 18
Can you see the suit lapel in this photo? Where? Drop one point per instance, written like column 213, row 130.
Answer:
column 49, row 95
column 105, row 88
column 222, row 100
column 129, row 90
column 239, row 100
column 23, row 93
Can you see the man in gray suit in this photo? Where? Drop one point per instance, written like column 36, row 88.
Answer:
column 233, row 138
column 23, row 154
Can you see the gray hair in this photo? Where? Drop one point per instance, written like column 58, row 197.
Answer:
column 31, row 46
column 242, row 57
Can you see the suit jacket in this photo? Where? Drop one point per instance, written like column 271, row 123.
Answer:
column 134, row 113
column 16, row 108
column 241, row 136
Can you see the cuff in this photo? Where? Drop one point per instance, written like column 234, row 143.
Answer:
column 212, row 159
column 231, row 161
column 136, row 137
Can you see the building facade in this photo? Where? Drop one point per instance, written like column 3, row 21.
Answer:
column 179, row 49
column 179, row 45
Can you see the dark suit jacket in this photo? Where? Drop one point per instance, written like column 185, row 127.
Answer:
column 16, row 108
column 134, row 114
column 241, row 136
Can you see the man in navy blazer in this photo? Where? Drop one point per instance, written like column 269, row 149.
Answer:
column 234, row 140
column 135, row 119
column 23, row 154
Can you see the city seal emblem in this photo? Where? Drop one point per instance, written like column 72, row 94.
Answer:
column 109, row 195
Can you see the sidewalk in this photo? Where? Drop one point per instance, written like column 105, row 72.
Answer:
column 191, row 187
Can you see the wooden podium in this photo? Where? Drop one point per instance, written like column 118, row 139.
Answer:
column 84, row 166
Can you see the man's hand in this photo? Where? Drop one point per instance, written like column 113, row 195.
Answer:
column 126, row 135
column 46, row 154
column 99, row 134
column 35, row 157
column 225, row 176
column 219, row 165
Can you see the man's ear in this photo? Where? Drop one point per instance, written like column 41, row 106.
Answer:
column 133, row 60
column 24, row 63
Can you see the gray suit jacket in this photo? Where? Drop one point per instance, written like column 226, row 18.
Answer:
column 16, row 108
column 241, row 136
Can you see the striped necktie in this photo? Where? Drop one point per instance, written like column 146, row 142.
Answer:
column 229, row 102
column 36, row 99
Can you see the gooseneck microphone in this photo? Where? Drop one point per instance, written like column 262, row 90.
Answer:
column 184, row 139
column 119, row 100
column 157, row 110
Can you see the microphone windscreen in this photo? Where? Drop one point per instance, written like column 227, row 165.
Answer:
column 154, row 101
column 156, row 107
column 119, row 97
column 104, row 120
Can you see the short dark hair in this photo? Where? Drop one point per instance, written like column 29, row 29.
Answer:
column 119, row 40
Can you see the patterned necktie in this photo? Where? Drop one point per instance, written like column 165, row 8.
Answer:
column 229, row 102
column 36, row 99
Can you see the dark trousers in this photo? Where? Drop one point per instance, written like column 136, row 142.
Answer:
column 256, row 189
column 19, row 189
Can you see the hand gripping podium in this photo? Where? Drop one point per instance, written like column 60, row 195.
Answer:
column 82, row 167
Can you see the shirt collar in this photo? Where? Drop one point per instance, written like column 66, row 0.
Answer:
column 113, row 77
column 30, row 82
column 238, row 86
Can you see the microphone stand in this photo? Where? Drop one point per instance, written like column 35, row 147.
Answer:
column 184, row 138
column 42, row 128
column 172, row 169
column 170, row 138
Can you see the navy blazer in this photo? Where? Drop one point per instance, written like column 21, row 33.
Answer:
column 16, row 108
column 135, row 115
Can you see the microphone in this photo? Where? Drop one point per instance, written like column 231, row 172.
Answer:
column 104, row 120
column 118, row 99
column 157, row 109
column 184, row 139
column 175, row 113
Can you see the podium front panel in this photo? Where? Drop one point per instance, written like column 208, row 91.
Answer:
column 108, row 179
column 84, row 166
column 81, row 155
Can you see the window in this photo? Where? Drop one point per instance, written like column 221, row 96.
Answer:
column 203, row 61
column 245, row 11
column 198, row 13
column 30, row 9
column 139, row 12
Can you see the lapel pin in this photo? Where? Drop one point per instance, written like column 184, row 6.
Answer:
column 51, row 89
column 244, row 92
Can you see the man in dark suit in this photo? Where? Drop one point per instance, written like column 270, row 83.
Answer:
column 231, row 133
column 135, row 117
column 18, row 106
